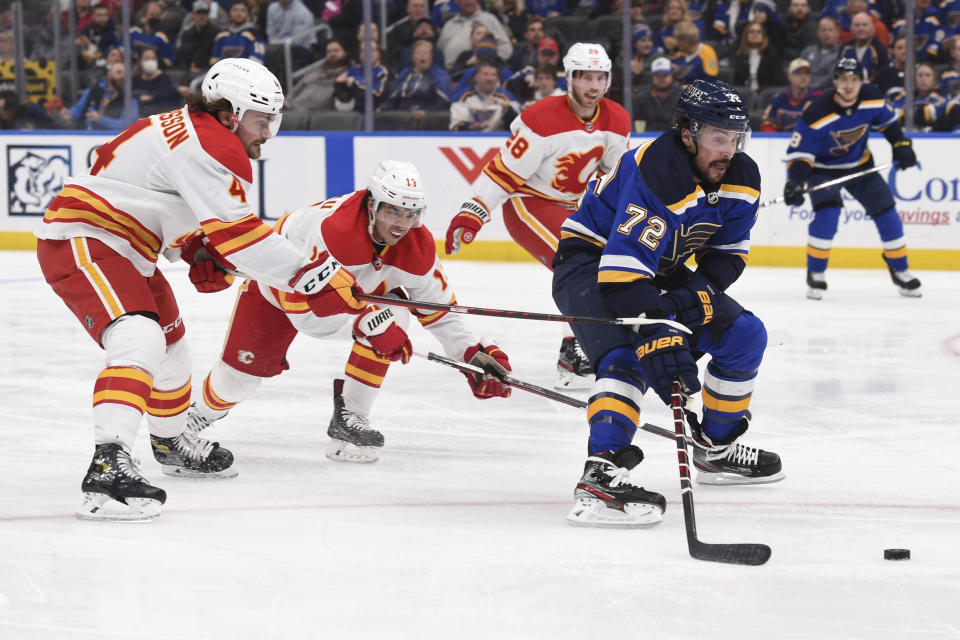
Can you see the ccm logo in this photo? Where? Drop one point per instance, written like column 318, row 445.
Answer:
column 320, row 277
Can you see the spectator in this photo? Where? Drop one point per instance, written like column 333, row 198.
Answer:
column 674, row 12
column 485, row 107
column 349, row 92
column 455, row 35
column 196, row 42
column 481, row 44
column 786, row 107
column 864, row 46
column 172, row 16
column 950, row 77
column 799, row 29
column 854, row 7
column 546, row 8
column 400, row 33
column 101, row 106
column 544, row 84
column 442, row 11
column 239, row 39
column 693, row 59
column 525, row 53
column 927, row 31
column 97, row 38
column 421, row 87
column 522, row 83
column 314, row 90
column 643, row 54
column 83, row 12
column 148, row 34
column 424, row 30
column 153, row 88
column 890, row 78
column 654, row 107
column 928, row 105
column 287, row 18
column 22, row 116
column 765, row 13
column 823, row 55
column 756, row 64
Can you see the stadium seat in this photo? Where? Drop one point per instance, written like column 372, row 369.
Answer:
column 336, row 121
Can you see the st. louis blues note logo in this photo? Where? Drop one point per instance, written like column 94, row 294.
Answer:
column 35, row 175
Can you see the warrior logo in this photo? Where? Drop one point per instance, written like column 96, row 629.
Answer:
column 35, row 175
column 846, row 139
column 574, row 170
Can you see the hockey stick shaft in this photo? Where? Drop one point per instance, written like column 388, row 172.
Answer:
column 532, row 388
column 522, row 315
column 834, row 182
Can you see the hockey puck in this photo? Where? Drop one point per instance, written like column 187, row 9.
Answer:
column 896, row 554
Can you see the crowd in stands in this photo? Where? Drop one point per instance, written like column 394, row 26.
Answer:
column 475, row 64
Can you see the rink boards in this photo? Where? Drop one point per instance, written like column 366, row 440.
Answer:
column 304, row 167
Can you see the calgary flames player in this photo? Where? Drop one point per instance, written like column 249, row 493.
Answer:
column 541, row 171
column 172, row 184
column 376, row 233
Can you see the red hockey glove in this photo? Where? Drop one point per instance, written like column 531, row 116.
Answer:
column 488, row 356
column 379, row 328
column 328, row 286
column 466, row 225
column 208, row 278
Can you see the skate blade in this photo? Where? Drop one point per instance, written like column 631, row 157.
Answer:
column 815, row 294
column 569, row 381
column 721, row 479
column 340, row 451
column 99, row 506
column 910, row 293
column 180, row 472
column 596, row 513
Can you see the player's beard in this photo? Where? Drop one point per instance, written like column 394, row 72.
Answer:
column 703, row 170
column 253, row 148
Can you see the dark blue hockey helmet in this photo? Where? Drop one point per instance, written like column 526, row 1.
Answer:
column 716, row 103
column 847, row 65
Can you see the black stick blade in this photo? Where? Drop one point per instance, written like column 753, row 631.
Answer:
column 748, row 554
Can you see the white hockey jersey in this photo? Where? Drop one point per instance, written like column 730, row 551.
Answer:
column 340, row 226
column 552, row 153
column 159, row 181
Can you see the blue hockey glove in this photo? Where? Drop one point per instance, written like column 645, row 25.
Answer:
column 793, row 192
column 665, row 356
column 903, row 155
column 693, row 303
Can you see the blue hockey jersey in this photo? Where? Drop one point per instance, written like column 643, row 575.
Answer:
column 829, row 136
column 647, row 216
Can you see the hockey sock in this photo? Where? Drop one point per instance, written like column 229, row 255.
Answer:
column 358, row 396
column 224, row 388
column 821, row 232
column 170, row 396
column 890, row 228
column 613, row 410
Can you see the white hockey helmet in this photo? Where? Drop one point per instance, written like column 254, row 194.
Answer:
column 397, row 183
column 248, row 86
column 586, row 56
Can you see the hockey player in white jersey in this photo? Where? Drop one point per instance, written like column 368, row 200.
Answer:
column 375, row 233
column 174, row 184
column 542, row 170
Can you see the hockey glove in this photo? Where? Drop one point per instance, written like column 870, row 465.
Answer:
column 207, row 277
column 466, row 225
column 793, row 192
column 489, row 357
column 665, row 356
column 693, row 303
column 903, row 155
column 378, row 328
column 328, row 287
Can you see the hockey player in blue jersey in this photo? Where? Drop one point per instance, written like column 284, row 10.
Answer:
column 830, row 141
column 621, row 254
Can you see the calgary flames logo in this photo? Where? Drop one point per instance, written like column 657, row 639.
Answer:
column 574, row 169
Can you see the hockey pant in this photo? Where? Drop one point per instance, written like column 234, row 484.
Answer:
column 613, row 410
column 258, row 338
column 136, row 320
column 874, row 195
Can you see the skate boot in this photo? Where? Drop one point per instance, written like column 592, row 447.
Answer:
column 354, row 440
column 574, row 370
column 190, row 456
column 730, row 461
column 604, row 496
column 113, row 489
column 907, row 283
column 816, row 284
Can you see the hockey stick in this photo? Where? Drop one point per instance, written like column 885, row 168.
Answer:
column 834, row 182
column 532, row 388
column 524, row 315
column 743, row 553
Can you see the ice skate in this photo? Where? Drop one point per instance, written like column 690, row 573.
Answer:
column 604, row 496
column 190, row 456
column 732, row 462
column 816, row 284
column 907, row 283
column 354, row 440
column 113, row 489
column 574, row 370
